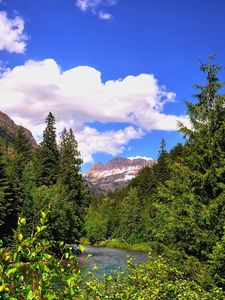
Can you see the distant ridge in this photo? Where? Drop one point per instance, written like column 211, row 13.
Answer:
column 115, row 173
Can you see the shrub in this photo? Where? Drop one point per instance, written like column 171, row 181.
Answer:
column 29, row 270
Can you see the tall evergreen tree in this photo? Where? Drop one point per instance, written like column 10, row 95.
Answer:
column 206, row 149
column 72, row 186
column 130, row 217
column 205, row 141
column 70, row 160
column 192, row 216
column 21, row 156
column 161, row 169
column 47, row 156
column 3, row 188
column 9, row 209
column 29, row 190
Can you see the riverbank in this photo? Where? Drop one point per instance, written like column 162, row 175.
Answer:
column 124, row 245
column 114, row 243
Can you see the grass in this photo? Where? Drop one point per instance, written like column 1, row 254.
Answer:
column 114, row 243
column 84, row 241
column 144, row 247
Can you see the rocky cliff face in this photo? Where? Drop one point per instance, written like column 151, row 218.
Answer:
column 8, row 130
column 116, row 173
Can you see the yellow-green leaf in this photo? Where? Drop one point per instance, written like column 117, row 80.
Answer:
column 20, row 237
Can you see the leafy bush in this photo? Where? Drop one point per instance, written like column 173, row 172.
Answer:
column 155, row 280
column 29, row 270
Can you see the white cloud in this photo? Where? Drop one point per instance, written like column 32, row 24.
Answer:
column 78, row 96
column 112, row 142
column 82, row 4
column 96, row 7
column 12, row 36
column 104, row 16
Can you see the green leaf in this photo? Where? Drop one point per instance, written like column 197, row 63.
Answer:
column 43, row 214
column 82, row 248
column 20, row 237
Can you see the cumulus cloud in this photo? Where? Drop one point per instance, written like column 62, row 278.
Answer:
column 79, row 97
column 12, row 36
column 112, row 142
column 96, row 7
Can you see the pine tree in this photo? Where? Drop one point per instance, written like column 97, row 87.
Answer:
column 217, row 261
column 47, row 156
column 29, row 190
column 162, row 149
column 161, row 169
column 9, row 209
column 191, row 209
column 73, row 191
column 130, row 217
column 205, row 142
column 70, row 160
column 21, row 156
column 3, row 187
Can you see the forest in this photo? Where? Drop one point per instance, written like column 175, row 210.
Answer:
column 175, row 209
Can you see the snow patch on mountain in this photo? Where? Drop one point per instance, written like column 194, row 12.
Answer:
column 140, row 157
column 116, row 172
column 127, row 177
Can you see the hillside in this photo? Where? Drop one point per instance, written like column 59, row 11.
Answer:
column 8, row 130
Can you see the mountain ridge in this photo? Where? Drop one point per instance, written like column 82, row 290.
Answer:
column 116, row 173
column 8, row 130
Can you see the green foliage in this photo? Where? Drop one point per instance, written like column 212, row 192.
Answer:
column 70, row 160
column 47, row 155
column 60, row 184
column 102, row 220
column 154, row 280
column 76, row 195
column 195, row 192
column 7, row 139
column 29, row 270
column 114, row 243
column 130, row 217
column 64, row 222
column 9, row 208
column 23, row 147
column 95, row 227
column 29, row 191
column 217, row 261
column 205, row 142
column 18, row 162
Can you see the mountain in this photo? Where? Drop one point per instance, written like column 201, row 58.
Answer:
column 115, row 173
column 8, row 130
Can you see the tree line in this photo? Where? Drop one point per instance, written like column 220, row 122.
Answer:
column 47, row 178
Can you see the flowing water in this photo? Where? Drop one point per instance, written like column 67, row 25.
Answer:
column 110, row 259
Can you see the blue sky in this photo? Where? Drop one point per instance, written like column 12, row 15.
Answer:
column 116, row 71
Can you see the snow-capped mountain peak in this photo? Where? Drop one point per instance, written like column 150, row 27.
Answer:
column 116, row 172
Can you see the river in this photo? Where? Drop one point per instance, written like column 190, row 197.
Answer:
column 110, row 259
